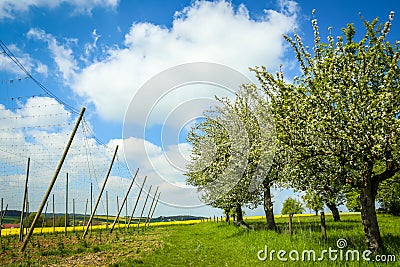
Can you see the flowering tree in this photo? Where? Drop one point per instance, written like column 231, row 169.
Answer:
column 344, row 107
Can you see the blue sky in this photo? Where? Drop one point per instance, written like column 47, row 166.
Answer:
column 99, row 53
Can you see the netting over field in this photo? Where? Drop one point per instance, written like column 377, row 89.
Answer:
column 35, row 124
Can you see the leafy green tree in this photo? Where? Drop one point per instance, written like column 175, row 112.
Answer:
column 28, row 223
column 292, row 206
column 344, row 108
column 220, row 155
column 319, row 177
column 389, row 195
column 313, row 201
column 353, row 201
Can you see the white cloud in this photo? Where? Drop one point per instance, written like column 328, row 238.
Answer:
column 11, row 8
column 7, row 65
column 39, row 128
column 205, row 31
column 62, row 54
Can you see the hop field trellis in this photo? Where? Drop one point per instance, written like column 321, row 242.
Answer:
column 36, row 124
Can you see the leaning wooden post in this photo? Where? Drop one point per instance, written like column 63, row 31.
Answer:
column 66, row 205
column 152, row 213
column 151, row 207
column 21, row 227
column 123, row 202
column 101, row 192
column 144, row 206
column 290, row 224
column 323, row 226
column 137, row 201
column 46, row 196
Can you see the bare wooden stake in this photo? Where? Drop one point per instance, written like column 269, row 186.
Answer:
column 323, row 226
column 126, row 214
column 290, row 224
column 106, row 210
column 73, row 214
column 27, row 211
column 101, row 192
column 151, row 207
column 53, row 180
column 117, row 210
column 123, row 202
column 66, row 206
column 44, row 218
column 91, row 205
column 54, row 217
column 144, row 206
column 152, row 213
column 84, row 216
column 1, row 215
column 21, row 221
column 137, row 201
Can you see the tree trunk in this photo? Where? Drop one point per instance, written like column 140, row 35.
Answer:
column 368, row 214
column 239, row 217
column 335, row 211
column 269, row 208
column 316, row 212
column 227, row 219
column 239, row 213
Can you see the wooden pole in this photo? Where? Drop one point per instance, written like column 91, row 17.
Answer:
column 151, row 207
column 66, row 205
column 1, row 215
column 117, row 210
column 323, row 226
column 73, row 214
column 123, row 202
column 44, row 218
column 144, row 206
column 101, row 192
column 46, row 196
column 106, row 210
column 84, row 216
column 54, row 217
column 137, row 201
column 21, row 221
column 91, row 205
column 126, row 214
column 152, row 213
column 290, row 224
column 27, row 209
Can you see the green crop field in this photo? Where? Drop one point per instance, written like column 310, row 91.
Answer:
column 208, row 244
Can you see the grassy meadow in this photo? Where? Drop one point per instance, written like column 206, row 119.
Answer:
column 203, row 244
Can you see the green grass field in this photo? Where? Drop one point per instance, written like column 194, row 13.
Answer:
column 203, row 244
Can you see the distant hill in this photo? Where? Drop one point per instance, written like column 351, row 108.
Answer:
column 176, row 218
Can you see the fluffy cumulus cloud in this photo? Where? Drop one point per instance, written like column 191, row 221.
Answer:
column 29, row 63
column 62, row 54
column 39, row 128
column 205, row 31
column 10, row 8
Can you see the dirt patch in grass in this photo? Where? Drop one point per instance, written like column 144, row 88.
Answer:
column 97, row 249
